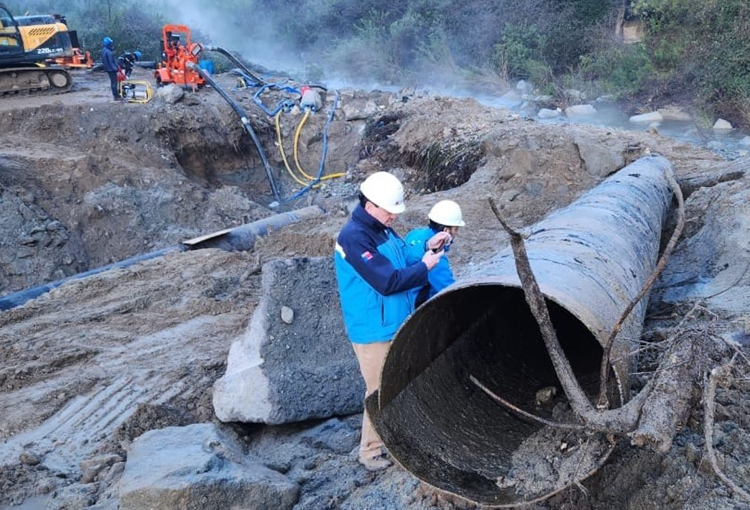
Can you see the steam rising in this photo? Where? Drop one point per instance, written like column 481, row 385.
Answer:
column 258, row 37
column 249, row 34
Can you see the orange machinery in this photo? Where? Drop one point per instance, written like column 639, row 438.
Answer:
column 79, row 60
column 178, row 52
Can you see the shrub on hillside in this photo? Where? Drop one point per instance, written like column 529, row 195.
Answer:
column 619, row 69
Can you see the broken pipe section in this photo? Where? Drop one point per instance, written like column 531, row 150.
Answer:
column 590, row 259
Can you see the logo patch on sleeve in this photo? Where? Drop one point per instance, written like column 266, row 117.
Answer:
column 366, row 256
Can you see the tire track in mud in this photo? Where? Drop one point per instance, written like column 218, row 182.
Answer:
column 149, row 336
column 71, row 434
column 76, row 430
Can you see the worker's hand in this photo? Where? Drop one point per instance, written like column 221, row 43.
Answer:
column 430, row 258
column 436, row 242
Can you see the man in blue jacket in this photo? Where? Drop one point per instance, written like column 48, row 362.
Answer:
column 109, row 64
column 377, row 287
column 445, row 216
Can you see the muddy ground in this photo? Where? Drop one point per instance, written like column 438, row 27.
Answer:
column 89, row 366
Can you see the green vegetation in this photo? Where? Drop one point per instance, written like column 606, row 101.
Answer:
column 697, row 50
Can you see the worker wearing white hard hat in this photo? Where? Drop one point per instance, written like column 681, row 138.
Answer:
column 446, row 217
column 377, row 287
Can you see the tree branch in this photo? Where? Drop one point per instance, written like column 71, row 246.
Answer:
column 518, row 410
column 618, row 421
column 722, row 372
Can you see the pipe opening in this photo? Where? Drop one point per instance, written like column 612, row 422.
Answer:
column 445, row 429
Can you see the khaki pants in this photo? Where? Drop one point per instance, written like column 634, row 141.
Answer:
column 371, row 358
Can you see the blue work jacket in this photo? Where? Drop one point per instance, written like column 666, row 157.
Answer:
column 109, row 63
column 441, row 275
column 376, row 285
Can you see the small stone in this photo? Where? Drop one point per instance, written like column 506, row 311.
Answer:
column 545, row 395
column 279, row 466
column 29, row 458
column 287, row 314
column 115, row 471
column 45, row 487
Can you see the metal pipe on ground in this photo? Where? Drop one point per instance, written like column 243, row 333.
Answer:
column 243, row 238
column 590, row 259
column 240, row 238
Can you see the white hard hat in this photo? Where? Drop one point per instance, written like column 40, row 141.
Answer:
column 448, row 213
column 385, row 191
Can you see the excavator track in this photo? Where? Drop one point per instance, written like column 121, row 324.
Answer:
column 34, row 80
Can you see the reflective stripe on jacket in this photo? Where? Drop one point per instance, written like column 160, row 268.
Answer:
column 376, row 285
column 441, row 275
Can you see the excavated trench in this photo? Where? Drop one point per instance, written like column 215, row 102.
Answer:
column 439, row 166
column 217, row 155
column 107, row 184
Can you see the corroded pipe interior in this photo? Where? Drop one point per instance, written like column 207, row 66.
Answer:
column 447, row 430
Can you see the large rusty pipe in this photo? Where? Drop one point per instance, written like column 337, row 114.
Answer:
column 590, row 259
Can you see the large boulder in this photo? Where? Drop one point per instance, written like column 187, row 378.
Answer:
column 722, row 125
column 294, row 362
column 170, row 93
column 197, row 467
column 599, row 160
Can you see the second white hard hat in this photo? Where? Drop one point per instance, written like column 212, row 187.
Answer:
column 448, row 213
column 385, row 191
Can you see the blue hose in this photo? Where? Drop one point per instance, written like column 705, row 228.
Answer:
column 248, row 80
column 284, row 103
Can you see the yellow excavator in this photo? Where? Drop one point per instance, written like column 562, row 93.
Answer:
column 25, row 43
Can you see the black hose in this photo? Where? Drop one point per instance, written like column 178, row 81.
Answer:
column 236, row 62
column 240, row 238
column 18, row 298
column 246, row 126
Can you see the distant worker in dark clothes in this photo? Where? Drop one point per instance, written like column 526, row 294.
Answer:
column 109, row 64
column 127, row 60
column 445, row 216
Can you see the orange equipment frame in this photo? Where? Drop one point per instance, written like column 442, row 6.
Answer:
column 79, row 60
column 177, row 54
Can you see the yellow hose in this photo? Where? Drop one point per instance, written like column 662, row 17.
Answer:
column 283, row 154
column 296, row 144
column 296, row 158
